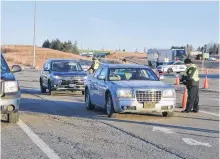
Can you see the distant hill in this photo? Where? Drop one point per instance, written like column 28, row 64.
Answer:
column 23, row 54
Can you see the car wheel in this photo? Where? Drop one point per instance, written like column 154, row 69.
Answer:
column 50, row 89
column 88, row 103
column 169, row 70
column 109, row 106
column 168, row 114
column 13, row 117
column 42, row 89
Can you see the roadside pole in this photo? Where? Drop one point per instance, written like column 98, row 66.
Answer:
column 202, row 60
column 34, row 38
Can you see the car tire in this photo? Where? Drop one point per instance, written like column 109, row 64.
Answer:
column 168, row 114
column 42, row 89
column 13, row 117
column 170, row 70
column 50, row 92
column 89, row 105
column 109, row 106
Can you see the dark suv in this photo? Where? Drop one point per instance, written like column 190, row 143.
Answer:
column 62, row 75
column 9, row 92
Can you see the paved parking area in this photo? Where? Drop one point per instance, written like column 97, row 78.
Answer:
column 59, row 126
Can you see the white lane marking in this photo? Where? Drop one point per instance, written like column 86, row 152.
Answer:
column 164, row 130
column 205, row 112
column 40, row 143
column 195, row 143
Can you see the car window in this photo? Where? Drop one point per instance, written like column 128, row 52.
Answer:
column 46, row 65
column 170, row 63
column 119, row 74
column 4, row 66
column 65, row 66
column 179, row 63
column 104, row 72
column 97, row 72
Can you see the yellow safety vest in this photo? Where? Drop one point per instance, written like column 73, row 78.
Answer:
column 96, row 65
column 195, row 76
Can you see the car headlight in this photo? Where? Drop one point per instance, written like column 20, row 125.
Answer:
column 168, row 93
column 11, row 86
column 57, row 77
column 124, row 93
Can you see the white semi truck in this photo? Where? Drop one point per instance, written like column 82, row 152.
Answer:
column 156, row 57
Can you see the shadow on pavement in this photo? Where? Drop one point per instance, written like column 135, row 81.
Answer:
column 162, row 125
column 197, row 118
column 77, row 109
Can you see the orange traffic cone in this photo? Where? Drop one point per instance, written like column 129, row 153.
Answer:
column 184, row 100
column 206, row 85
column 177, row 80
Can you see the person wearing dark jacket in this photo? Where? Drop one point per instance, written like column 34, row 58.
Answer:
column 191, row 80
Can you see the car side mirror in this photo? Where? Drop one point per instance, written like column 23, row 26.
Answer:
column 16, row 68
column 100, row 77
column 85, row 69
column 46, row 70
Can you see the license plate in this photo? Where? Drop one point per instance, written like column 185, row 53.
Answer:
column 72, row 85
column 149, row 105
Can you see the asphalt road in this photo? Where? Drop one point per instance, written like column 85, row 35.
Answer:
column 59, row 126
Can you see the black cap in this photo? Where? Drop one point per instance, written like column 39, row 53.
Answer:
column 187, row 61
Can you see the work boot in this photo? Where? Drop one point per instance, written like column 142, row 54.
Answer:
column 194, row 111
column 185, row 111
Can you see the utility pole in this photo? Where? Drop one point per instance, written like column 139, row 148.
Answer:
column 34, row 38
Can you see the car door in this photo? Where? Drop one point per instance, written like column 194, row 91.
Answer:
column 182, row 67
column 93, row 86
column 101, row 87
column 178, row 67
column 174, row 67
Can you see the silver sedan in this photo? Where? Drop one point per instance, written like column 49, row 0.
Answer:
column 121, row 88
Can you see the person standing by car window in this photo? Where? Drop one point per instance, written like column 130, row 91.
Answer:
column 191, row 80
column 95, row 64
column 124, row 61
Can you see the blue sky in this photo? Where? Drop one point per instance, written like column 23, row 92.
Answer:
column 128, row 25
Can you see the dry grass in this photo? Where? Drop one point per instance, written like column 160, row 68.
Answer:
column 129, row 55
column 23, row 54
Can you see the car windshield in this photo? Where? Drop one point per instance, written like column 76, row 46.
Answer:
column 120, row 74
column 4, row 66
column 65, row 66
column 170, row 63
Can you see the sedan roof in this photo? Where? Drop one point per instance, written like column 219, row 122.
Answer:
column 125, row 66
column 57, row 59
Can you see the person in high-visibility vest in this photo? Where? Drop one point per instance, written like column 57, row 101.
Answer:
column 124, row 61
column 191, row 80
column 95, row 64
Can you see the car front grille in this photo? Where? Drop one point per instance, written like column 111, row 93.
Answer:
column 148, row 96
column 78, row 80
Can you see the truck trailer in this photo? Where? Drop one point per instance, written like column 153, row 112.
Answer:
column 164, row 56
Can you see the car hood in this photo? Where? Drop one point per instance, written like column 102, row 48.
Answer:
column 80, row 73
column 137, row 84
column 8, row 76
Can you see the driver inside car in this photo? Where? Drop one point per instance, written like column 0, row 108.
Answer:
column 137, row 76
